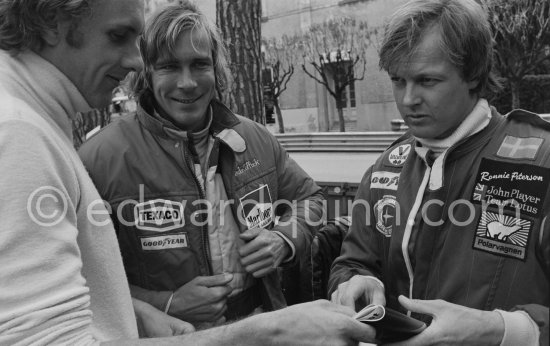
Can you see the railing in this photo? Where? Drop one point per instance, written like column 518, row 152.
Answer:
column 338, row 141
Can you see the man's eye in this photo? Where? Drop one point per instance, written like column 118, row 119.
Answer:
column 117, row 36
column 167, row 67
column 397, row 80
column 428, row 81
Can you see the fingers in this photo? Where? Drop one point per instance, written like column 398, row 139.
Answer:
column 250, row 234
column 214, row 280
column 378, row 297
column 428, row 307
column 361, row 332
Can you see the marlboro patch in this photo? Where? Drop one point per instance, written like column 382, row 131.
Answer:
column 517, row 188
column 502, row 235
column 159, row 215
column 257, row 208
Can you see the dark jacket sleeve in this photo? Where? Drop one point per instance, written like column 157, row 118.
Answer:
column 362, row 246
column 299, row 203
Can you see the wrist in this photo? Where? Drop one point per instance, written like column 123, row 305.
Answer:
column 494, row 330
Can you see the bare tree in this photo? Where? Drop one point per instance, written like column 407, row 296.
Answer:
column 280, row 56
column 239, row 21
column 521, row 30
column 336, row 50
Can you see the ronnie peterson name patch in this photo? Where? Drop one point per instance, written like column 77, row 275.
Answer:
column 515, row 187
column 511, row 196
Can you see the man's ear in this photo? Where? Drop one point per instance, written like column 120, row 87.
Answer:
column 57, row 30
column 473, row 84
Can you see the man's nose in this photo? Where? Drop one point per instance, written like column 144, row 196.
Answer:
column 132, row 58
column 186, row 80
column 411, row 96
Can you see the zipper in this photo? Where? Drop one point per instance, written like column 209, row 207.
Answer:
column 202, row 196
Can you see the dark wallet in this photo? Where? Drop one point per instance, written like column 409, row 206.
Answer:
column 390, row 325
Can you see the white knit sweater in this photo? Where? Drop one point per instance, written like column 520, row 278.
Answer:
column 61, row 277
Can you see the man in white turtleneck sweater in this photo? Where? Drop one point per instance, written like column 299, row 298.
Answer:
column 459, row 237
column 62, row 279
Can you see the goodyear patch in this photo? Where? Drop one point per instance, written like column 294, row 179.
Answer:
column 503, row 235
column 159, row 215
column 257, row 208
column 385, row 214
column 384, row 180
column 172, row 241
column 399, row 155
column 518, row 188
column 519, row 147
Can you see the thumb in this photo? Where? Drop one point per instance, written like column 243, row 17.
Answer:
column 250, row 234
column 427, row 307
column 180, row 327
column 214, row 280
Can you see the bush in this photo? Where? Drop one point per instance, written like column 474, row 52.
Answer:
column 534, row 95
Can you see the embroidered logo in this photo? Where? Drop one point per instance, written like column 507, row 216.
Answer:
column 257, row 208
column 246, row 166
column 503, row 235
column 519, row 148
column 384, row 180
column 512, row 186
column 159, row 215
column 172, row 241
column 385, row 213
column 399, row 155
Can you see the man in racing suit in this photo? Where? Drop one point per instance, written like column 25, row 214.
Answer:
column 194, row 190
column 450, row 222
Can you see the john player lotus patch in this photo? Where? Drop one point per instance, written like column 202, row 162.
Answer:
column 511, row 197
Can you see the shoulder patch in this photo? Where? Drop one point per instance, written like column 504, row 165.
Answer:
column 519, row 147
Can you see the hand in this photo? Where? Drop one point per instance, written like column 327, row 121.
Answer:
column 153, row 323
column 454, row 324
column 263, row 252
column 314, row 323
column 202, row 299
column 359, row 286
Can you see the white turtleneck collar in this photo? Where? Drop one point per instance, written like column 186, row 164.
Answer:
column 476, row 121
column 52, row 94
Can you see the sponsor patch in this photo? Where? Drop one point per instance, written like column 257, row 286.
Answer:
column 502, row 235
column 257, row 208
column 384, row 180
column 385, row 213
column 159, row 215
column 519, row 148
column 163, row 242
column 518, row 188
column 399, row 155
